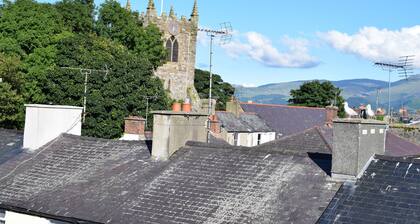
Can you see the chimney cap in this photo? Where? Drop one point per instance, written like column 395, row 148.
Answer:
column 169, row 112
column 358, row 121
column 135, row 118
column 53, row 106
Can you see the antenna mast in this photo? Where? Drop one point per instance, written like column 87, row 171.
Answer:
column 404, row 66
column 225, row 34
column 86, row 72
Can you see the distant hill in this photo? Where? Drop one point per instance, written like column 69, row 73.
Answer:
column 356, row 91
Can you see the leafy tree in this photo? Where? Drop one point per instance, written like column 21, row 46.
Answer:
column 222, row 91
column 38, row 39
column 11, row 107
column 111, row 97
column 78, row 15
column 317, row 94
column 11, row 101
column 120, row 25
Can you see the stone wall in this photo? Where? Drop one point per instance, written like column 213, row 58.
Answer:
column 177, row 77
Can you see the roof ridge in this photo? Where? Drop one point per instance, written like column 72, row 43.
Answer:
column 403, row 159
column 281, row 105
column 318, row 129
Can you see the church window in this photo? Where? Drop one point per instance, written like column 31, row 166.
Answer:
column 172, row 47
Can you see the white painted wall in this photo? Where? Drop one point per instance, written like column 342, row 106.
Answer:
column 44, row 123
column 248, row 139
column 19, row 218
column 132, row 137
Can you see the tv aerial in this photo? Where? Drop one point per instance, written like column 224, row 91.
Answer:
column 404, row 67
column 86, row 72
column 225, row 36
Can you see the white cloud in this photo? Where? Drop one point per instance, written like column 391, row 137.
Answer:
column 259, row 48
column 246, row 85
column 377, row 44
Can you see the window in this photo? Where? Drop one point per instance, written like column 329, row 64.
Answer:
column 259, row 139
column 172, row 47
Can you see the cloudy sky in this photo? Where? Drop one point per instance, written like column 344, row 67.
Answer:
column 279, row 40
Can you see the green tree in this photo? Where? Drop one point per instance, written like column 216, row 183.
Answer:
column 11, row 101
column 11, row 107
column 222, row 91
column 77, row 15
column 118, row 24
column 111, row 97
column 317, row 94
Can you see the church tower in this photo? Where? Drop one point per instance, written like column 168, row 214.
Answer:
column 180, row 39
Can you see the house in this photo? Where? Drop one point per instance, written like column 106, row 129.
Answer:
column 288, row 120
column 244, row 129
column 75, row 179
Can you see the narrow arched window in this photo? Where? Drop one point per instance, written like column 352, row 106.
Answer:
column 172, row 49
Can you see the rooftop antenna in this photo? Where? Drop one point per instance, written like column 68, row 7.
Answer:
column 378, row 91
column 403, row 66
column 147, row 105
column 86, row 72
column 225, row 34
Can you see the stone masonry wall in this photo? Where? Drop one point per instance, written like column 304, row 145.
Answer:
column 177, row 77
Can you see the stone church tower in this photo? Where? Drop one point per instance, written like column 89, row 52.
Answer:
column 180, row 38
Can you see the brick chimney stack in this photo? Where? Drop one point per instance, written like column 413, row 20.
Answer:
column 331, row 114
column 134, row 128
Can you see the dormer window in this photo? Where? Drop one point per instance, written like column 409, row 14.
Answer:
column 172, row 49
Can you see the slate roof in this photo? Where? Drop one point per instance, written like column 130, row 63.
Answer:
column 116, row 182
column 308, row 141
column 246, row 122
column 254, row 122
column 287, row 120
column 388, row 192
column 11, row 142
column 319, row 140
column 398, row 146
column 231, row 123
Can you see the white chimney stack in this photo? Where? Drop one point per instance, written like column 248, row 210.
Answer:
column 44, row 123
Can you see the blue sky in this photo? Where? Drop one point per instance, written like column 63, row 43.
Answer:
column 278, row 40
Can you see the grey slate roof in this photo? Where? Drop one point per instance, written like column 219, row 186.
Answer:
column 388, row 192
column 11, row 142
column 231, row 123
column 254, row 122
column 246, row 122
column 398, row 146
column 287, row 120
column 308, row 141
column 116, row 182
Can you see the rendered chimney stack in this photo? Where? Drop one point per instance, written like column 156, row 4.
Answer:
column 134, row 128
column 355, row 141
column 43, row 123
column 331, row 114
column 171, row 130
